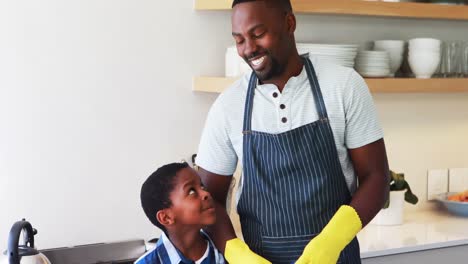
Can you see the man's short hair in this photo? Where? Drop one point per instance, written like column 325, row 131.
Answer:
column 156, row 189
column 283, row 4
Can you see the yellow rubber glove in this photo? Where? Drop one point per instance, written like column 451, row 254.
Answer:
column 237, row 252
column 327, row 246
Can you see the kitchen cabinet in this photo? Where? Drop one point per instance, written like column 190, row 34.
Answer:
column 362, row 8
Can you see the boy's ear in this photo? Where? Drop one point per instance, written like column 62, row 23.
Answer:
column 165, row 217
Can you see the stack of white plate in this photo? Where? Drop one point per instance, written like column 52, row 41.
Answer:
column 341, row 54
column 373, row 63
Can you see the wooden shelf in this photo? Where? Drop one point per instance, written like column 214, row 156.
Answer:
column 211, row 84
column 360, row 7
column 363, row 8
column 212, row 4
column 376, row 85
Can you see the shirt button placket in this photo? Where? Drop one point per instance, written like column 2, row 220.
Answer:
column 284, row 119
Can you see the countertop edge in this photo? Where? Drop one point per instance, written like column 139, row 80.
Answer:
column 393, row 251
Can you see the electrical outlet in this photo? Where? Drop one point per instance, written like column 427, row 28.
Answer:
column 437, row 183
column 458, row 179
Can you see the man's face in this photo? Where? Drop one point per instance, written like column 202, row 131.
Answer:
column 192, row 205
column 262, row 37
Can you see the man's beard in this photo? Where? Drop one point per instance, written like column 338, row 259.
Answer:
column 275, row 70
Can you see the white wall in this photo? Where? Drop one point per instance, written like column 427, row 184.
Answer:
column 96, row 94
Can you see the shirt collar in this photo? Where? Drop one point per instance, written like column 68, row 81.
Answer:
column 296, row 80
column 292, row 82
column 172, row 252
column 176, row 256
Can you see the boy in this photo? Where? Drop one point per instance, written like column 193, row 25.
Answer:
column 175, row 200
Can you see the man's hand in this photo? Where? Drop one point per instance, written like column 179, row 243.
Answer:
column 237, row 252
column 327, row 246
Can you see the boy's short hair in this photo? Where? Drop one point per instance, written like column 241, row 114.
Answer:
column 283, row 4
column 156, row 189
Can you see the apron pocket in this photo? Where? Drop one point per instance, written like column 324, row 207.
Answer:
column 285, row 249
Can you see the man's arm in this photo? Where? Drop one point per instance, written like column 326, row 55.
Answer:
column 369, row 159
column 218, row 186
column 371, row 167
column 222, row 233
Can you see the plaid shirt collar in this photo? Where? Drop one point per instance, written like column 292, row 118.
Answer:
column 168, row 253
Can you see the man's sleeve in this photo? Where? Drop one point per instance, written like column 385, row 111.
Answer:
column 362, row 124
column 216, row 153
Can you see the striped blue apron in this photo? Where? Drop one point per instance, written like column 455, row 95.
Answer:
column 292, row 184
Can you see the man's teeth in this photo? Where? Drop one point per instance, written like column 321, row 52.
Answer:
column 258, row 61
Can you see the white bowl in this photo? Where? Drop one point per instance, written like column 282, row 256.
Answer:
column 393, row 53
column 396, row 58
column 373, row 64
column 389, row 45
column 427, row 53
column 372, row 53
column 422, row 65
column 372, row 60
column 424, row 44
column 395, row 64
column 374, row 74
column 458, row 208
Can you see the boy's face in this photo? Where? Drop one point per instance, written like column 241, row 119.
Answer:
column 192, row 205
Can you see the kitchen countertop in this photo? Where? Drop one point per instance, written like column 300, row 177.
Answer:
column 421, row 230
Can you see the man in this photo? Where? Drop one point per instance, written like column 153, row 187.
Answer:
column 306, row 132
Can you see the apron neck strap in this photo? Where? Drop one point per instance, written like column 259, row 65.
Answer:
column 315, row 87
column 249, row 103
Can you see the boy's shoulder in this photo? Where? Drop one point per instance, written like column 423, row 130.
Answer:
column 166, row 253
column 163, row 253
column 150, row 257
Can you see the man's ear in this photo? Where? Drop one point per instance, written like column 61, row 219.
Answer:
column 165, row 217
column 291, row 22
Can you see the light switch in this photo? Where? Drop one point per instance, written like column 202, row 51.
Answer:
column 458, row 179
column 437, row 182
